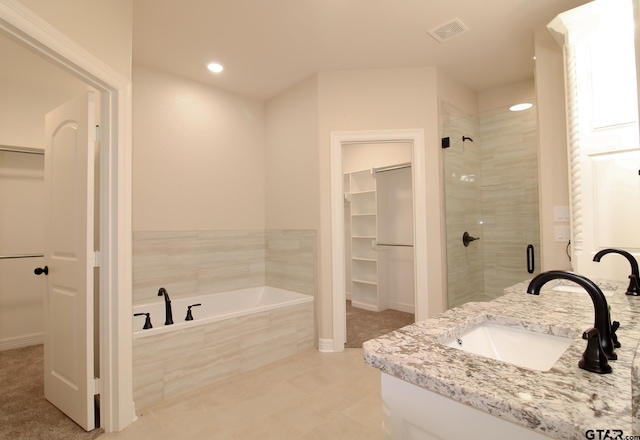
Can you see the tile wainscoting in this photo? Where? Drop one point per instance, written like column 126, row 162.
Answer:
column 190, row 263
column 200, row 262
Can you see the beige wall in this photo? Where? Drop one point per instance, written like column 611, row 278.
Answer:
column 371, row 100
column 103, row 27
column 506, row 96
column 291, row 121
column 552, row 146
column 198, row 156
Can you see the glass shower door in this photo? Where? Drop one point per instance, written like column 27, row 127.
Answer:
column 491, row 193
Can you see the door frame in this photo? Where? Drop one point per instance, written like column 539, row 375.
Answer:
column 115, row 384
column 338, row 139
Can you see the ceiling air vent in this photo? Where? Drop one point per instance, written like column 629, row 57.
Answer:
column 449, row 30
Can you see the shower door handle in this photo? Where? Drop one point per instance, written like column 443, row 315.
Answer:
column 531, row 264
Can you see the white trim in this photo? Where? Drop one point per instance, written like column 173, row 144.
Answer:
column 21, row 341
column 338, row 138
column 117, row 409
column 325, row 345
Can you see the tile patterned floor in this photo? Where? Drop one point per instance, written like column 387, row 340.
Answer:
column 309, row 396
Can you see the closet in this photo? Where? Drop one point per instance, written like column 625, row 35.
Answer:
column 379, row 230
column 21, row 246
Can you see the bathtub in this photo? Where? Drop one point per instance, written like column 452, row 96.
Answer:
column 231, row 333
column 215, row 307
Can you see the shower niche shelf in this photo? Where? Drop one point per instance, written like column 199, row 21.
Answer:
column 366, row 292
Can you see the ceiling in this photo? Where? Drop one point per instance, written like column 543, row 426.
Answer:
column 268, row 45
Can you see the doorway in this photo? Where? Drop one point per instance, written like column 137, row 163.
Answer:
column 414, row 139
column 378, row 241
column 34, row 35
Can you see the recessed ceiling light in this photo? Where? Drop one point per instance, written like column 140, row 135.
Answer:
column 215, row 67
column 520, row 107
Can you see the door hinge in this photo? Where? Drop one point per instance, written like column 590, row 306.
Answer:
column 96, row 256
column 97, row 386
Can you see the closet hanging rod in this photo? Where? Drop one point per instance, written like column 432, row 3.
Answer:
column 26, row 150
column 9, row 257
column 392, row 167
column 390, row 244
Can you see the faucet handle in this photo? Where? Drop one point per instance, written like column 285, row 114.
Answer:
column 147, row 321
column 189, row 315
column 634, row 286
column 594, row 359
column 615, row 325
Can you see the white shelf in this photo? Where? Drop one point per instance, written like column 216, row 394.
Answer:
column 365, row 291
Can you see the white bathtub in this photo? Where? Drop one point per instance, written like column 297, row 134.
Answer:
column 215, row 307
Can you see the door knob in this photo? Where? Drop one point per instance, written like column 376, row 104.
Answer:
column 41, row 270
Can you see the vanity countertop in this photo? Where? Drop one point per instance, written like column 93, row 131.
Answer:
column 563, row 402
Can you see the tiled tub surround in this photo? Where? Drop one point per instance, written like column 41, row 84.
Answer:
column 172, row 363
column 189, row 263
column 563, row 402
column 200, row 262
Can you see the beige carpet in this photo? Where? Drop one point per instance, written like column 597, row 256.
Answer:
column 363, row 325
column 24, row 412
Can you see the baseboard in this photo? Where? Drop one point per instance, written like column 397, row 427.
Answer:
column 364, row 306
column 347, row 295
column 325, row 345
column 402, row 307
column 21, row 341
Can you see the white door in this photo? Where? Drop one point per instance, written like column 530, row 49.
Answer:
column 69, row 229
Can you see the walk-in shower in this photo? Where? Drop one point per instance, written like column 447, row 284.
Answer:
column 491, row 203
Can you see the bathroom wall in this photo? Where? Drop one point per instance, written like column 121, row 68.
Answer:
column 103, row 27
column 199, row 192
column 198, row 156
column 552, row 145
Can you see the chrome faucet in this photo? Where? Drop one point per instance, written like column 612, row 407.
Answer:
column 602, row 317
column 167, row 306
column 634, row 278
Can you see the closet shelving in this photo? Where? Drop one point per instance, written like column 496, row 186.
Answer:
column 366, row 292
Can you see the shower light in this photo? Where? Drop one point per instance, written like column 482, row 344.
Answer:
column 215, row 67
column 520, row 107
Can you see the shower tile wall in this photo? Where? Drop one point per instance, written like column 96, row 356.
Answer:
column 509, row 197
column 491, row 191
column 198, row 262
column 462, row 169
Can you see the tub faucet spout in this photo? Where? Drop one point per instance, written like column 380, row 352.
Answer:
column 167, row 306
column 602, row 317
column 634, row 278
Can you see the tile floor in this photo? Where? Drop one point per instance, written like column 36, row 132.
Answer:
column 311, row 395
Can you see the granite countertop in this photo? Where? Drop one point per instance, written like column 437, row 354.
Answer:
column 563, row 402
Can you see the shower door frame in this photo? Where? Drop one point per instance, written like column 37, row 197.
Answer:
column 339, row 138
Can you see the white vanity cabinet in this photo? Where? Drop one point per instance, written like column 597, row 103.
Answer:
column 414, row 413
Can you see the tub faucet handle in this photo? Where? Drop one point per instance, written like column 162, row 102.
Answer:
column 147, row 321
column 189, row 315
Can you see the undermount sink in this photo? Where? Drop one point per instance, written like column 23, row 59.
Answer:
column 578, row 289
column 525, row 348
